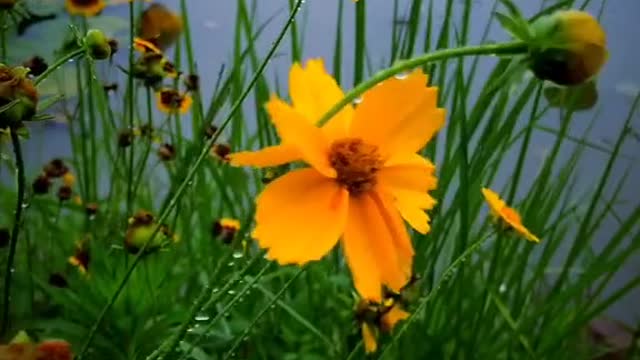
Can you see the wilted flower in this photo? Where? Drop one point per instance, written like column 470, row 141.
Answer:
column 152, row 67
column 570, row 47
column 15, row 85
column 55, row 168
column 210, row 131
column 125, row 138
column 225, row 229
column 91, row 209
column 374, row 318
column 166, row 152
column 41, row 184
column 222, row 151
column 192, row 82
column 36, row 65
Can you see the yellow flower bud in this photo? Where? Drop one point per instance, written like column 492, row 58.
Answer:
column 569, row 47
column 97, row 44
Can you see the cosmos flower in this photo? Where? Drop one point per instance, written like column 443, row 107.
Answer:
column 364, row 176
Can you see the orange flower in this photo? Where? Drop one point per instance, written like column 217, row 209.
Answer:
column 365, row 176
column 160, row 25
column 506, row 216
column 170, row 100
column 85, row 7
column 145, row 47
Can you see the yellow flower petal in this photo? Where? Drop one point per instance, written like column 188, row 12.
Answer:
column 313, row 92
column 369, row 338
column 409, row 172
column 392, row 317
column 507, row 215
column 370, row 248
column 399, row 115
column 401, row 240
column 269, row 156
column 300, row 216
column 310, row 141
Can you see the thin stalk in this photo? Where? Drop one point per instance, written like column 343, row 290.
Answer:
column 263, row 311
column 131, row 108
column 3, row 36
column 15, row 140
column 508, row 48
column 185, row 183
column 446, row 276
column 359, row 56
column 295, row 45
column 63, row 60
column 206, row 297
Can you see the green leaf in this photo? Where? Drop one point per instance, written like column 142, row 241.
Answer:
column 513, row 27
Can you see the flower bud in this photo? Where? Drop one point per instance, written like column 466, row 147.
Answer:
column 142, row 226
column 98, row 45
column 14, row 85
column 569, row 47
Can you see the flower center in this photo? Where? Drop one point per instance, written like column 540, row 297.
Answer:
column 171, row 99
column 356, row 164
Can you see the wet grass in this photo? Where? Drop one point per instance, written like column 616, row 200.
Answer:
column 481, row 294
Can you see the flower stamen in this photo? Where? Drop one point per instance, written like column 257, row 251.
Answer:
column 356, row 164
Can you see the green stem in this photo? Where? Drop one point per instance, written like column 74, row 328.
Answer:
column 15, row 140
column 243, row 336
column 227, row 307
column 446, row 276
column 508, row 48
column 130, row 109
column 359, row 56
column 3, row 37
column 63, row 60
column 185, row 183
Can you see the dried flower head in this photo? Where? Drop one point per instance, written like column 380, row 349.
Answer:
column 41, row 184
column 15, row 85
column 225, row 229
column 36, row 65
column 56, row 168
column 166, row 152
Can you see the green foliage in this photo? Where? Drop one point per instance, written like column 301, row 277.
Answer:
column 481, row 294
